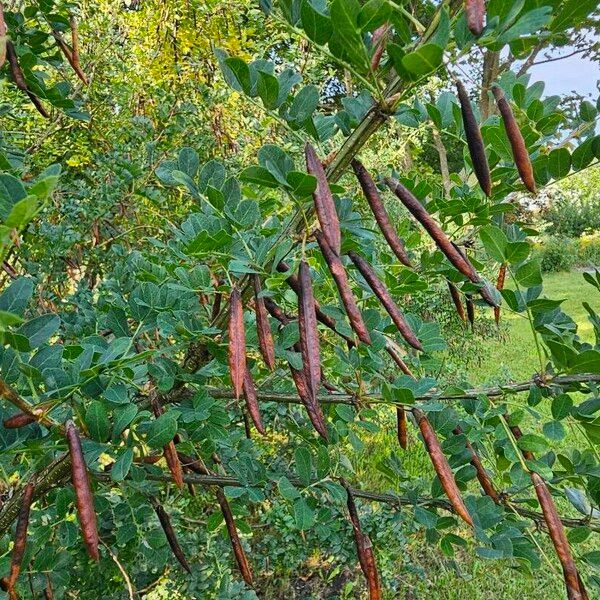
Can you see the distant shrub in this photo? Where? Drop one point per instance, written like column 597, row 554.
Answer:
column 572, row 216
column 558, row 253
column 589, row 251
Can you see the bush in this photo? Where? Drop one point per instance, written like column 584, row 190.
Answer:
column 572, row 215
column 558, row 253
column 589, row 251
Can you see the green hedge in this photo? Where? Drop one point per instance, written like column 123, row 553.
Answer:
column 561, row 253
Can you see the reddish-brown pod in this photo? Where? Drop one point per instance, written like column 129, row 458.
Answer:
column 169, row 451
column 251, row 398
column 237, row 342
column 384, row 296
column 83, row 492
column 167, row 527
column 381, row 216
column 341, row 280
column 474, row 141
column 457, row 301
column 20, row 535
column 324, row 205
column 499, row 286
column 441, row 466
column 470, row 309
column 573, row 582
column 309, row 333
column 2, row 36
column 452, row 253
column 515, row 137
column 263, row 329
column 379, row 40
column 475, row 11
column 402, row 430
column 18, row 420
column 391, row 350
column 518, row 434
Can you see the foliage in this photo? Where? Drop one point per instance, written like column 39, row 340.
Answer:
column 574, row 214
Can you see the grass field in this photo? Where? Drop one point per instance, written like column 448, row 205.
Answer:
column 511, row 356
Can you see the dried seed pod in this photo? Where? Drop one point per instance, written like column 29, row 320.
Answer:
column 169, row 451
column 323, row 199
column 165, row 523
column 309, row 334
column 474, row 141
column 499, row 287
column 482, row 476
column 21, row 535
column 518, row 434
column 517, row 143
column 573, row 582
column 19, row 420
column 441, row 466
column 401, row 427
column 364, row 549
column 341, row 280
column 442, row 241
column 475, row 11
column 381, row 216
column 263, row 329
column 216, row 307
column 292, row 281
column 2, row 36
column 470, row 309
column 48, row 591
column 384, row 296
column 237, row 342
column 72, row 55
column 379, row 40
column 19, row 79
column 398, row 360
column 251, row 398
column 238, row 550
column 457, row 301
column 83, row 492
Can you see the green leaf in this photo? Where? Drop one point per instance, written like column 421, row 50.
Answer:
column 533, row 443
column 304, row 105
column 559, row 163
column 259, row 176
column 122, row 417
column 16, row 296
column 316, row 21
column 268, row 89
column 561, row 406
column 96, row 420
column 494, row 241
column 554, row 430
column 188, row 162
column 303, row 461
column 587, row 111
column 346, row 41
column 583, row 155
column 287, row 489
column 161, row 431
column 121, row 467
column 7, row 319
column 40, row 329
column 11, row 192
column 22, row 212
column 241, row 72
column 303, row 514
column 517, row 252
column 373, row 14
column 587, row 362
column 529, row 274
column 424, row 60
column 529, row 23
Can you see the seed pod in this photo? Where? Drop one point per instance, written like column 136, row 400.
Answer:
column 309, row 334
column 441, row 466
column 470, row 309
column 72, row 56
column 401, row 427
column 386, row 299
column 2, row 36
column 21, row 535
column 216, row 307
column 475, row 11
column 474, row 141
column 456, row 299
column 379, row 40
column 263, row 329
column 364, row 549
column 499, row 287
column 19, row 79
column 19, row 420
column 238, row 550
column 251, row 398
column 455, row 257
column 573, row 582
column 48, row 591
column 323, row 199
column 482, row 476
column 292, row 281
column 517, row 143
column 341, row 280
column 83, row 492
column 381, row 216
column 169, row 451
column 517, row 433
column 237, row 342
column 398, row 360
column 165, row 523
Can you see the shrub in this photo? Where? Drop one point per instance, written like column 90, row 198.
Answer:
column 589, row 251
column 572, row 215
column 558, row 253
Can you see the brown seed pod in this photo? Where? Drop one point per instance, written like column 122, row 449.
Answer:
column 398, row 360
column 441, row 466
column 573, row 582
column 309, row 334
column 323, row 199
column 457, row 301
column 292, row 281
column 517, row 433
column 341, row 280
column 482, row 476
column 384, row 296
column 516, row 140
column 237, row 342
column 71, row 54
column 474, row 141
column 379, row 41
column 364, row 549
column 470, row 309
column 475, row 11
column 2, row 36
column 19, row 79
column 83, row 492
column 251, row 398
column 236, row 544
column 169, row 451
column 263, row 329
column 18, row 420
column 48, row 591
column 216, row 307
column 442, row 241
column 499, row 287
column 21, row 535
column 165, row 523
column 401, row 427
column 381, row 216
